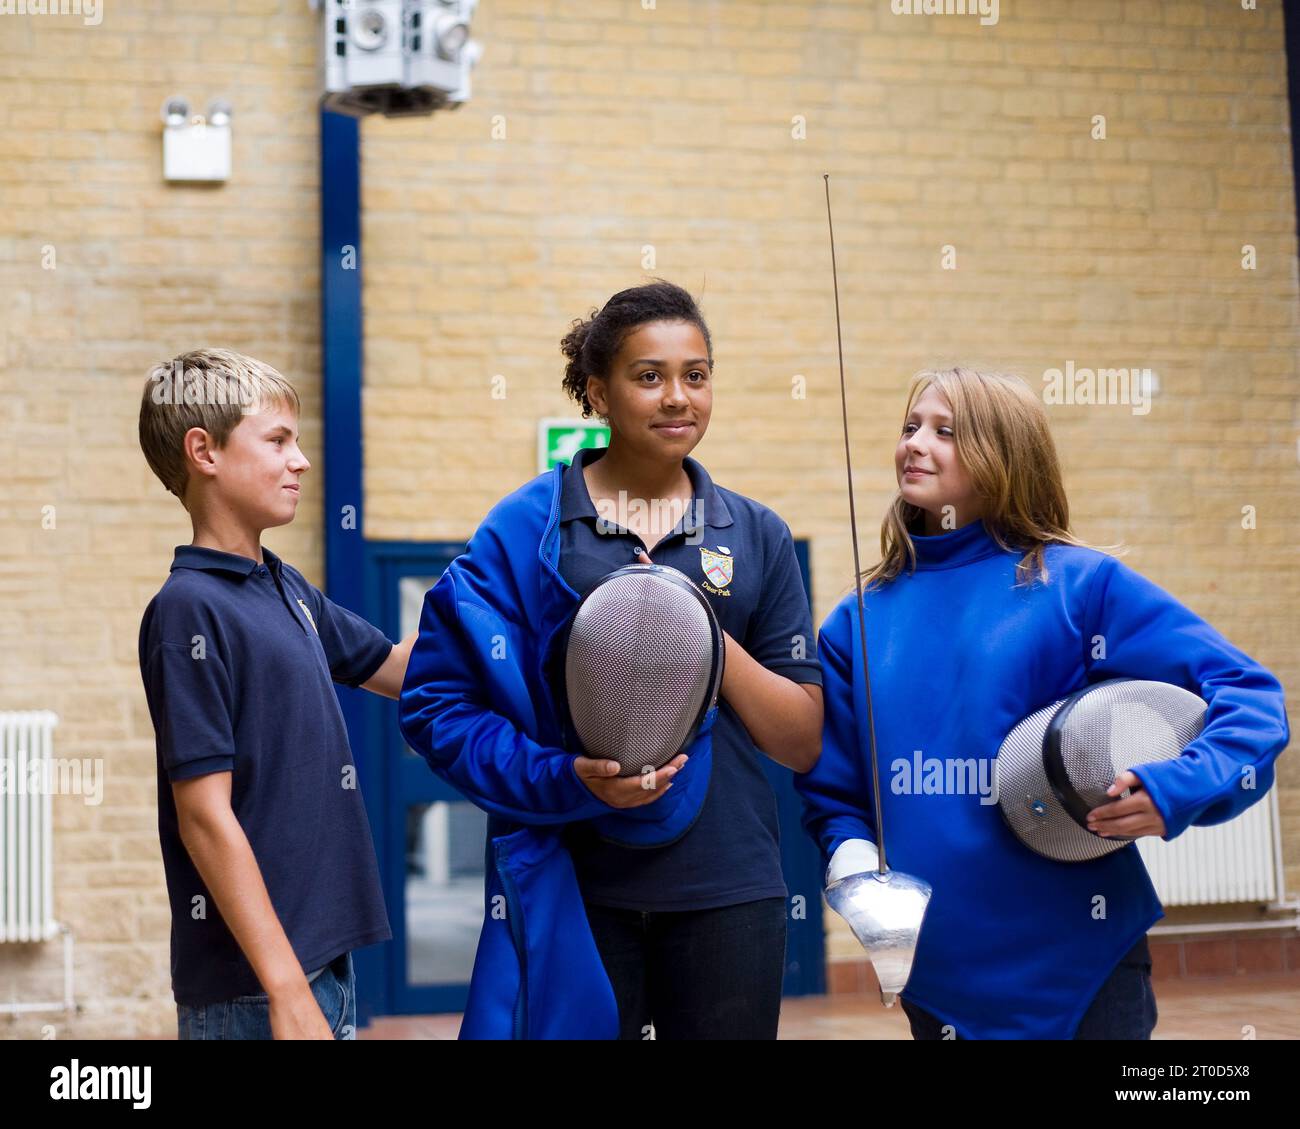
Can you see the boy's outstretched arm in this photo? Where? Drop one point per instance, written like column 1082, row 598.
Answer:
column 387, row 680
column 222, row 855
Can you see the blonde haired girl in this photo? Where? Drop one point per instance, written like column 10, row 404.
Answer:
column 983, row 608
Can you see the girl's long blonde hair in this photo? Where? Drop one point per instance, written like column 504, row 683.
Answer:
column 1003, row 440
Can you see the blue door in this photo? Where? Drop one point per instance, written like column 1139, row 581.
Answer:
column 805, row 943
column 430, row 838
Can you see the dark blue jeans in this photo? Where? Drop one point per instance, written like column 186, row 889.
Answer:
column 695, row 974
column 249, row 1017
column 1124, row 1008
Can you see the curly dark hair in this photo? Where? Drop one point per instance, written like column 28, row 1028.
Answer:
column 590, row 345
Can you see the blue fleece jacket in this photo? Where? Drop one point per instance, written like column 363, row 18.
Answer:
column 1015, row 945
column 479, row 704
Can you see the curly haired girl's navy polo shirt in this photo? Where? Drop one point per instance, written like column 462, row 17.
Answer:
column 742, row 557
column 239, row 661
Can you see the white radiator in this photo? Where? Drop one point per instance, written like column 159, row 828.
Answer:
column 26, row 827
column 1237, row 861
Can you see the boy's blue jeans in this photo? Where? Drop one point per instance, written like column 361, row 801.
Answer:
column 1124, row 1008
column 249, row 1017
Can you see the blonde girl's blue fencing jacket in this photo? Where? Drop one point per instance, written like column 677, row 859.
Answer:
column 1015, row 945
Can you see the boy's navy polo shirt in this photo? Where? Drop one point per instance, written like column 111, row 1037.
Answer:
column 239, row 661
column 741, row 556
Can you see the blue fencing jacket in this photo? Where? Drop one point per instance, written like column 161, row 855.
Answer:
column 479, row 703
column 1015, row 945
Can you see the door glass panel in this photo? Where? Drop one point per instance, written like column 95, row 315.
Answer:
column 410, row 593
column 444, row 890
column 444, row 862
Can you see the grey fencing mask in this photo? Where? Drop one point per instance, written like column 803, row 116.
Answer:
column 1055, row 766
column 642, row 666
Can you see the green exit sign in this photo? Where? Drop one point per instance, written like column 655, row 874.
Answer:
column 558, row 440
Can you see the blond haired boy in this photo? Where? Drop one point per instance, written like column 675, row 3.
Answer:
column 270, row 865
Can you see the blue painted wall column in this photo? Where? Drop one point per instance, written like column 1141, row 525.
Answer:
column 341, row 353
column 342, row 341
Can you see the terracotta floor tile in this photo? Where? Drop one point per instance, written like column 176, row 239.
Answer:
column 1210, row 958
column 1258, row 956
column 844, row 976
column 1265, row 1007
column 1166, row 960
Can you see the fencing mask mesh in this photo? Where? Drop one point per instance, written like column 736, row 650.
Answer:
column 642, row 666
column 1055, row 766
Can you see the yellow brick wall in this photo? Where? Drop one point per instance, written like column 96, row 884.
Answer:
column 141, row 271
column 626, row 129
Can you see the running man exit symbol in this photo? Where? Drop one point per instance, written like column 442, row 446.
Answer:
column 558, row 440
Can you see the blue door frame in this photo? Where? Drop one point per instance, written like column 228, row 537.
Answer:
column 801, row 866
column 363, row 576
column 404, row 779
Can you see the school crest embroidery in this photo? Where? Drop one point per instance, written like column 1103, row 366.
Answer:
column 307, row 612
column 718, row 567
